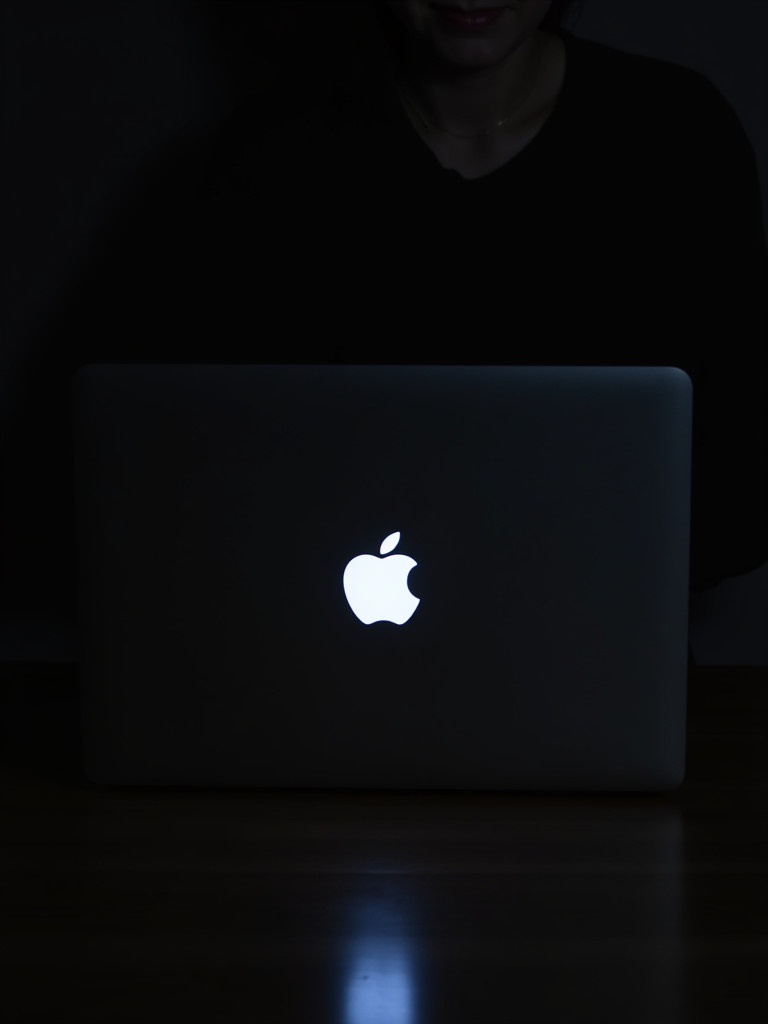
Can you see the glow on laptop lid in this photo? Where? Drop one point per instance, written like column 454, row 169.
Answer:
column 388, row 577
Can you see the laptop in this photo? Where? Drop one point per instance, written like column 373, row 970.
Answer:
column 383, row 577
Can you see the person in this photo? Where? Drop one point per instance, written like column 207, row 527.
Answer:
column 484, row 187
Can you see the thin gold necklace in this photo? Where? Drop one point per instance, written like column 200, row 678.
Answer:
column 431, row 126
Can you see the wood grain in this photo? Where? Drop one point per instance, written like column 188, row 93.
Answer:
column 123, row 905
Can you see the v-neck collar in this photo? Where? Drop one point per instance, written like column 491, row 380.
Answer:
column 399, row 123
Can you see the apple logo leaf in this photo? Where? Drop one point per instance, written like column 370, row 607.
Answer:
column 389, row 543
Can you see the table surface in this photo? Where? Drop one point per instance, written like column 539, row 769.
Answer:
column 123, row 905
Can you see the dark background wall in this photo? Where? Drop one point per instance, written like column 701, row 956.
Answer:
column 96, row 91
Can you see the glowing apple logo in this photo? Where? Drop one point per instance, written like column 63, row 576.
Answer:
column 377, row 588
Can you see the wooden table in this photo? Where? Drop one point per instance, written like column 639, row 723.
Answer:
column 384, row 908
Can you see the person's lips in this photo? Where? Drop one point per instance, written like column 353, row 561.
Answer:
column 471, row 18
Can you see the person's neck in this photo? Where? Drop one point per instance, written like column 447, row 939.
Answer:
column 471, row 102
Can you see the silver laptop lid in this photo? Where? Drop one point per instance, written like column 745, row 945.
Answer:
column 390, row 577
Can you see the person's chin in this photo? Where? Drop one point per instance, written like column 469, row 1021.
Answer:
column 470, row 58
column 470, row 49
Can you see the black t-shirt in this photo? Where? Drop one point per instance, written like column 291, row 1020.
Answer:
column 629, row 231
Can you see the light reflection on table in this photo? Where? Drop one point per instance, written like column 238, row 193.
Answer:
column 611, row 947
